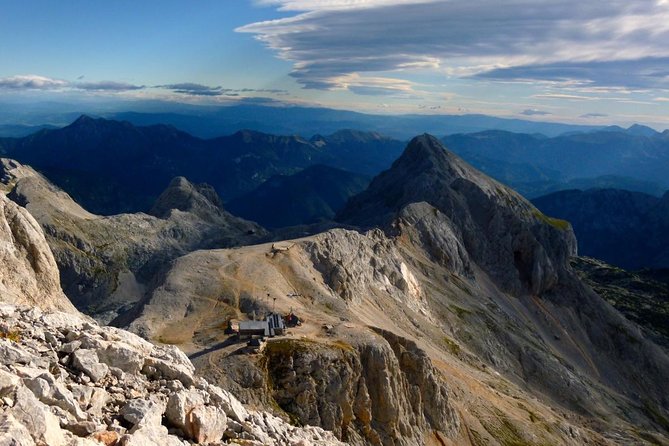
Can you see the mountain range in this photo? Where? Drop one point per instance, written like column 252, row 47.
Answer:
column 624, row 228
column 112, row 167
column 535, row 164
column 446, row 312
column 268, row 117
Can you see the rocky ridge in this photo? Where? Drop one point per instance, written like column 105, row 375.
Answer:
column 105, row 262
column 67, row 381
column 460, row 265
column 523, row 250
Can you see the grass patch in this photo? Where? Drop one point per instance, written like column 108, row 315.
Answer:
column 562, row 225
column 11, row 335
column 506, row 433
column 343, row 345
column 452, row 346
column 459, row 311
column 476, row 438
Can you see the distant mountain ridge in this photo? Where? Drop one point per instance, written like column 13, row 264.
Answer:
column 309, row 196
column 636, row 157
column 624, row 228
column 112, row 167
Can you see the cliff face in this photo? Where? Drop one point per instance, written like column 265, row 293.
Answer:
column 381, row 391
column 28, row 271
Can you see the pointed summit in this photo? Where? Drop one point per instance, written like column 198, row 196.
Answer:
column 522, row 249
column 181, row 194
column 424, row 172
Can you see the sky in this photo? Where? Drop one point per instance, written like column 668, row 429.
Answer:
column 591, row 62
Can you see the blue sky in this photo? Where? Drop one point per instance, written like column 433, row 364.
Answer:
column 596, row 62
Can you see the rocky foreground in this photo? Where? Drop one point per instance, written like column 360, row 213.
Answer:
column 64, row 380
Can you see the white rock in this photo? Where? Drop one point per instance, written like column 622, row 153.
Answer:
column 206, row 424
column 151, row 436
column 86, row 360
column 141, row 412
column 230, row 405
column 171, row 363
column 122, row 356
column 13, row 433
column 53, row 393
column 28, row 271
column 180, row 404
column 8, row 383
column 43, row 425
column 12, row 354
column 97, row 402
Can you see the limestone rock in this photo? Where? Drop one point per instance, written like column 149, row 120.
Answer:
column 106, row 262
column 502, row 232
column 28, row 271
column 86, row 360
column 43, row 425
column 122, row 356
column 181, row 404
column 56, row 401
column 13, row 433
column 171, row 363
column 143, row 412
column 206, row 424
column 53, row 393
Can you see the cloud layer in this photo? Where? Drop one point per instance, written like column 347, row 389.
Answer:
column 42, row 83
column 31, row 82
column 612, row 42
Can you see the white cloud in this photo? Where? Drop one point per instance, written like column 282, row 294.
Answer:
column 521, row 39
column 569, row 97
column 31, row 82
column 534, row 112
column 108, row 86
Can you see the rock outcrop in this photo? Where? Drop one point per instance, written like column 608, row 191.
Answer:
column 522, row 249
column 106, row 262
column 382, row 390
column 28, row 271
column 65, row 381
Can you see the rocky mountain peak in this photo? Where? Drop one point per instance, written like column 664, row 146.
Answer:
column 426, row 171
column 181, row 194
column 502, row 232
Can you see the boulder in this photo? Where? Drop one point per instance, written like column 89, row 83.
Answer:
column 13, row 433
column 43, row 425
column 144, row 412
column 206, row 424
column 86, row 360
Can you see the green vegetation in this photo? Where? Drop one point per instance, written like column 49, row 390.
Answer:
column 459, row 311
column 289, row 346
column 476, row 438
column 506, row 432
column 655, row 414
column 452, row 346
column 342, row 345
column 10, row 335
column 639, row 296
column 562, row 225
